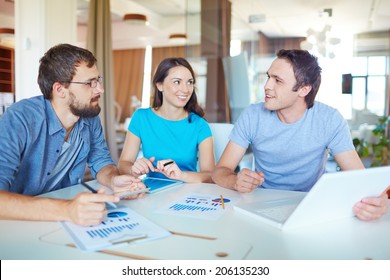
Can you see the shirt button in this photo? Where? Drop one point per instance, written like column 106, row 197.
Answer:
column 57, row 151
column 48, row 173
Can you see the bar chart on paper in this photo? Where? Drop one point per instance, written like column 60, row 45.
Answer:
column 197, row 206
column 120, row 225
column 115, row 224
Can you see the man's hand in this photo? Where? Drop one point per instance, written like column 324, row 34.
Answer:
column 126, row 183
column 372, row 208
column 248, row 180
column 89, row 209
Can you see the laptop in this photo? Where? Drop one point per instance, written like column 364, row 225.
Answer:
column 331, row 198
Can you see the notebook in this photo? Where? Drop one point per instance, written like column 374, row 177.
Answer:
column 331, row 198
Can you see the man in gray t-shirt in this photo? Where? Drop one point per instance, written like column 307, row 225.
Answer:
column 290, row 135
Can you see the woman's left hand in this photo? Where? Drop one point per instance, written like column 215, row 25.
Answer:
column 170, row 169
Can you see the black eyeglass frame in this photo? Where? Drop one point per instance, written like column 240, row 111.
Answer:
column 92, row 83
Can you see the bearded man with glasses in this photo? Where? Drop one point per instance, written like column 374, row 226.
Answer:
column 48, row 140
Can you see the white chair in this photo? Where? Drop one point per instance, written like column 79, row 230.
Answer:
column 118, row 113
column 221, row 132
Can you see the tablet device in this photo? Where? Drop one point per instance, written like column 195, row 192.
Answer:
column 152, row 185
column 158, row 184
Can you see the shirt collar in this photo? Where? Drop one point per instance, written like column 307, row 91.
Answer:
column 53, row 121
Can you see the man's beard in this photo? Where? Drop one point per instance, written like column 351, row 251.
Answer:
column 84, row 111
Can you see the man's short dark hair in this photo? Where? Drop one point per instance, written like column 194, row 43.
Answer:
column 59, row 65
column 306, row 71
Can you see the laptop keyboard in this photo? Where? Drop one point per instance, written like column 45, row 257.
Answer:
column 277, row 213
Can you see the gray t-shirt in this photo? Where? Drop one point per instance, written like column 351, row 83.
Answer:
column 292, row 156
column 68, row 155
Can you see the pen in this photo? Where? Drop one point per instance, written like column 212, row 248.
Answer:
column 222, row 201
column 95, row 191
column 168, row 163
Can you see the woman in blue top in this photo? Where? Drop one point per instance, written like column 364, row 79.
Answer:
column 173, row 133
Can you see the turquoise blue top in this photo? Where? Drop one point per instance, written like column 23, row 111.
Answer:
column 166, row 139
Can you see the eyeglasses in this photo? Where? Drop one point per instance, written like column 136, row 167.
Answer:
column 92, row 83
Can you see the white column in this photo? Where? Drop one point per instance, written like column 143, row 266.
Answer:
column 39, row 25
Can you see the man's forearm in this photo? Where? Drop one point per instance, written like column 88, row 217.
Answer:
column 20, row 207
column 106, row 174
column 224, row 177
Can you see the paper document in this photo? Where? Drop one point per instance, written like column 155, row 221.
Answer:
column 122, row 225
column 196, row 205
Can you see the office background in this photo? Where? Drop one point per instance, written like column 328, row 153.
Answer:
column 246, row 31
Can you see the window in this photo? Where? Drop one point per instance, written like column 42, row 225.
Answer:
column 369, row 84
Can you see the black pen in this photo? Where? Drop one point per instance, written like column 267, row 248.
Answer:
column 95, row 191
column 168, row 163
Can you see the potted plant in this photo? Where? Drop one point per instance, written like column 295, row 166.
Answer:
column 377, row 152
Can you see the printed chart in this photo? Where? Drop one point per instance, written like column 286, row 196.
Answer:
column 197, row 205
column 115, row 224
column 122, row 225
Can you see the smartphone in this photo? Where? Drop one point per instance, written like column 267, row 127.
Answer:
column 125, row 195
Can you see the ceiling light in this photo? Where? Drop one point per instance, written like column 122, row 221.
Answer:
column 10, row 31
column 320, row 42
column 136, row 19
column 178, row 38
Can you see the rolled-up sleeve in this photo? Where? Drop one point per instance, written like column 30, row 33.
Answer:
column 12, row 133
column 99, row 155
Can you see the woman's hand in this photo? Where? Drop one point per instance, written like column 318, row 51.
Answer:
column 142, row 166
column 170, row 169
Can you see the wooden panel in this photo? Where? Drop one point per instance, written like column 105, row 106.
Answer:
column 270, row 46
column 215, row 44
column 7, row 82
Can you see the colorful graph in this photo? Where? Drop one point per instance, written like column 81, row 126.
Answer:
column 112, row 225
column 120, row 225
column 108, row 231
column 197, row 206
column 116, row 214
column 218, row 200
column 181, row 207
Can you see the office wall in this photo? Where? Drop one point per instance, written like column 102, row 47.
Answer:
column 40, row 24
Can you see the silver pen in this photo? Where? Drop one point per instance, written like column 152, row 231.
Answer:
column 95, row 191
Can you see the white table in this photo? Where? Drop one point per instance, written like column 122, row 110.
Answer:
column 235, row 236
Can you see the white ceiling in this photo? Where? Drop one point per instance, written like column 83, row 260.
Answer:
column 278, row 18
